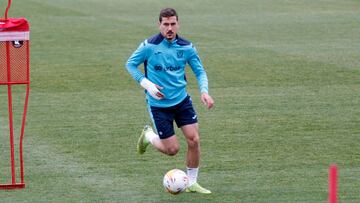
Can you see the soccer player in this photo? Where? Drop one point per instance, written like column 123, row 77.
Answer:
column 165, row 56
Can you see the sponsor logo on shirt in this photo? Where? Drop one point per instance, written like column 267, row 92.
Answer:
column 169, row 68
column 158, row 68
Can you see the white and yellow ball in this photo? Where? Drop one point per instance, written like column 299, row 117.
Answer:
column 175, row 181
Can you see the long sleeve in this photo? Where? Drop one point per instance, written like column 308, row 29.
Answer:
column 199, row 71
column 137, row 58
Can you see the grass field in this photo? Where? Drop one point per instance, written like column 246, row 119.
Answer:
column 285, row 76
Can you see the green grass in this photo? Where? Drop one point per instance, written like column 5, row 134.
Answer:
column 285, row 76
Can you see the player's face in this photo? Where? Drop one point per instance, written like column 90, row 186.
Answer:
column 169, row 27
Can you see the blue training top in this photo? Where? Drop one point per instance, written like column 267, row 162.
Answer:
column 164, row 65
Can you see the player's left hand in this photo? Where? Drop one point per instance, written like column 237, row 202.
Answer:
column 207, row 100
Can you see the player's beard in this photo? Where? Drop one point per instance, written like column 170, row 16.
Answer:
column 170, row 35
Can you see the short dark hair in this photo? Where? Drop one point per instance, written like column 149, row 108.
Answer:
column 166, row 13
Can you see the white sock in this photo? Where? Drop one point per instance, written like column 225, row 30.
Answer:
column 151, row 136
column 192, row 174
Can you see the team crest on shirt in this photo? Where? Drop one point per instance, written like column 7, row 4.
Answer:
column 180, row 54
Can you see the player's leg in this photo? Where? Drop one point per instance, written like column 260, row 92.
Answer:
column 191, row 133
column 186, row 119
column 169, row 146
column 166, row 141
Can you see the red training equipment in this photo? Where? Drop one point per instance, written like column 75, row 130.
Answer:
column 333, row 173
column 15, row 70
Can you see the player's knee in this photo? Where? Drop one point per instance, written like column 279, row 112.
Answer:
column 193, row 141
column 173, row 150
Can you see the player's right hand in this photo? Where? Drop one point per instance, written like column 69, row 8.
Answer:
column 153, row 89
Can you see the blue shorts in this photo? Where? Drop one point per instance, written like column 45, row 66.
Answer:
column 163, row 118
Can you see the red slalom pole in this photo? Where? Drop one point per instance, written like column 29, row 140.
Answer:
column 7, row 9
column 333, row 173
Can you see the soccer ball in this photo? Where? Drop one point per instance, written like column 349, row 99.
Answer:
column 175, row 181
